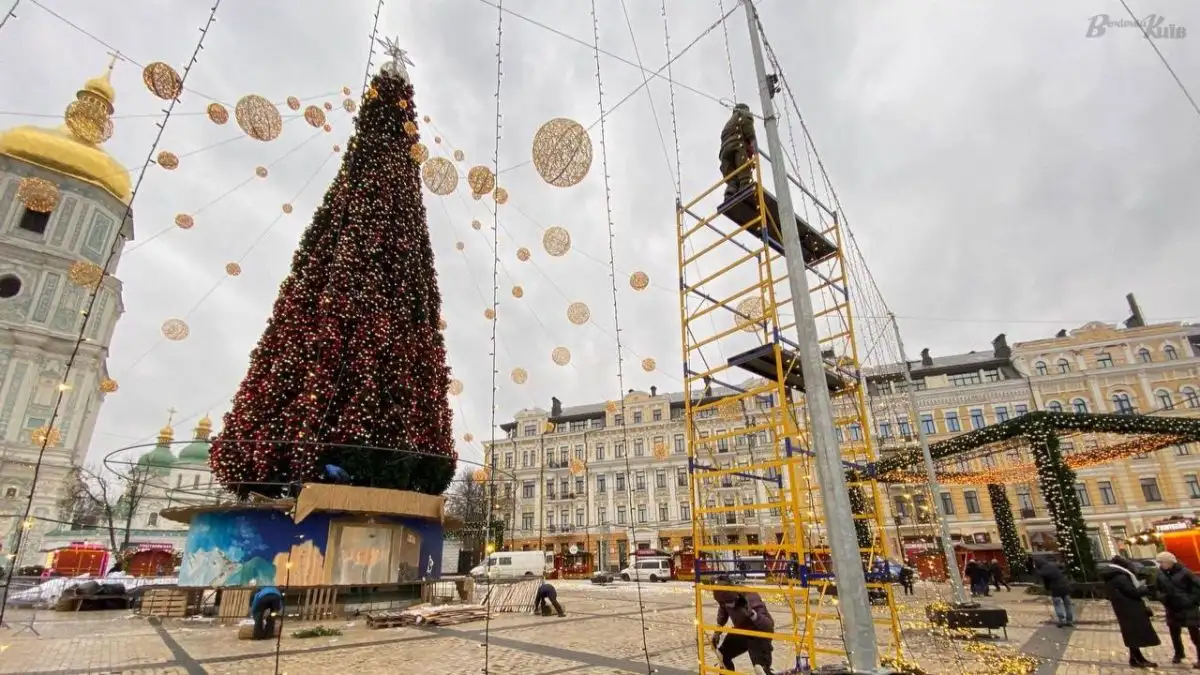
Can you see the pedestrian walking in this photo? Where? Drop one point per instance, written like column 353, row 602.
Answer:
column 1179, row 591
column 1058, row 585
column 1126, row 593
column 997, row 573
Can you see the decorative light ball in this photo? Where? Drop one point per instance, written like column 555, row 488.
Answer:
column 175, row 330
column 109, row 385
column 523, row 254
column 372, row 92
column 314, row 116
column 481, row 474
column 649, row 365
column 233, row 269
column 578, row 313
column 519, row 375
column 88, row 120
column 402, row 104
column 639, row 281
column 85, row 274
column 476, row 225
column 38, row 194
column 167, row 160
column 441, row 324
column 440, row 176
column 184, row 221
column 562, row 152
column 750, row 313
column 328, row 128
column 459, row 245
column 349, row 105
column 489, row 314
column 43, row 435
column 500, row 195
column 557, row 241
column 162, row 80
column 518, row 292
column 577, row 467
column 468, row 437
column 337, row 148
column 260, row 171
column 426, row 119
column 419, row 153
column 258, row 117
column 328, row 105
column 476, row 196
column 106, row 130
column 456, row 387
column 410, row 128
column 660, row 450
column 481, row 179
column 217, row 113
column 548, row 428
column 345, row 91
column 612, row 406
column 459, row 155
column 287, row 208
column 293, row 103
column 437, row 139
column 561, row 356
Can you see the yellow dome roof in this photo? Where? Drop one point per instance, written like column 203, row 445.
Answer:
column 61, row 151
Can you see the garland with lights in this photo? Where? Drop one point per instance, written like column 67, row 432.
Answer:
column 860, row 506
column 352, row 355
column 1057, row 482
column 1010, row 540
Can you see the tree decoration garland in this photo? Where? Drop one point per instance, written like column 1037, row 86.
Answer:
column 1010, row 540
column 1057, row 482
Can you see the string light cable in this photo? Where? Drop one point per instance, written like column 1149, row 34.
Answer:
column 1161, row 57
column 10, row 14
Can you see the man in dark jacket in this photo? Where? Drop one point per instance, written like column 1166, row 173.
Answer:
column 978, row 575
column 906, row 579
column 746, row 611
column 1126, row 593
column 266, row 604
column 1059, row 587
column 737, row 146
column 546, row 593
column 997, row 573
column 1179, row 591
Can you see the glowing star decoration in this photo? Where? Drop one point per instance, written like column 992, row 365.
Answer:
column 459, row 245
column 293, row 103
column 481, row 179
column 184, row 221
column 217, row 113
column 233, row 269
column 519, row 375
column 287, row 208
column 38, row 194
column 109, row 385
column 260, row 171
column 440, row 176
column 175, row 330
column 548, row 428
column 489, row 314
column 459, row 155
column 47, row 436
column 561, row 356
column 562, row 152
column 418, row 152
column 85, row 274
column 500, row 195
column 649, row 365
column 258, row 117
column 162, row 80
column 167, row 160
column 578, row 313
column 518, row 292
column 314, row 116
column 398, row 66
column 456, row 387
column 556, row 241
column 749, row 314
column 577, row 467
column 638, row 281
column 476, row 225
column 523, row 254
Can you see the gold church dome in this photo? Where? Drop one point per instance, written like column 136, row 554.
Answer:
column 64, row 152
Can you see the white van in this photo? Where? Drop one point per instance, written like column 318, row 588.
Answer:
column 648, row 569
column 515, row 565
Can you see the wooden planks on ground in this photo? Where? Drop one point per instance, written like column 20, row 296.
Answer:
column 427, row 615
column 171, row 603
column 511, row 597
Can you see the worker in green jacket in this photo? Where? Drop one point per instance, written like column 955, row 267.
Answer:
column 737, row 146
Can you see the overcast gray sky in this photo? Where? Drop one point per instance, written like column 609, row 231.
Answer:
column 1001, row 171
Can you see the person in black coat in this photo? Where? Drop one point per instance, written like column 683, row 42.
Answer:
column 906, row 579
column 1179, row 591
column 997, row 573
column 1059, row 587
column 1126, row 593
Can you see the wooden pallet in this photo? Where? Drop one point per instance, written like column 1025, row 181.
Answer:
column 170, row 603
column 235, row 605
column 319, row 603
column 511, row 597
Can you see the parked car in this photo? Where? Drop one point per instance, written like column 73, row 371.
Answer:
column 648, row 569
column 603, row 577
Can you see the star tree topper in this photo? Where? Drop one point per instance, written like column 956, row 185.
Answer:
column 396, row 67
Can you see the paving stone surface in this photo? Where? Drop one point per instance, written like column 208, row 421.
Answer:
column 608, row 630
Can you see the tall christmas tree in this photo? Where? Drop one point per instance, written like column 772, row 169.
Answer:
column 351, row 370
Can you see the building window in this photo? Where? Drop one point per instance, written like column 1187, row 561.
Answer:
column 1024, row 498
column 971, row 497
column 1164, row 400
column 618, row 419
column 10, row 493
column 1193, row 486
column 1001, row 413
column 526, row 521
column 637, row 416
column 35, row 222
column 508, row 460
column 977, row 421
column 531, row 430
column 579, row 486
column 564, row 486
column 1172, row 355
column 681, row 477
column 600, row 484
column 1181, row 450
column 1080, row 405
column 1064, row 366
column 1081, row 491
column 947, row 504
column 1150, row 489
column 599, row 451
column 992, row 375
column 639, row 448
column 685, row 511
column 1144, row 355
column 1040, row 367
column 952, row 423
column 620, row 485
column 855, row 432
column 902, row 424
column 660, row 478
column 1190, row 398
column 527, row 490
column 641, row 510
column 1020, row 409
column 885, row 429
column 620, row 515
column 1054, row 407
column 640, row 480
column 1121, row 403
column 619, row 449
column 152, row 520
column 1108, row 496
column 579, row 517
column 656, row 414
column 1104, row 360
column 664, row 513
column 927, row 424
column 965, row 379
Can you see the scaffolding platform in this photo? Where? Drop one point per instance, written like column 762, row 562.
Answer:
column 761, row 361
column 743, row 207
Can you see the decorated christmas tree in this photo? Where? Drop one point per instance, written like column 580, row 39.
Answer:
column 351, row 370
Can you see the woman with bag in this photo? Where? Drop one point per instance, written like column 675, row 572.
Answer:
column 1126, row 593
column 1179, row 591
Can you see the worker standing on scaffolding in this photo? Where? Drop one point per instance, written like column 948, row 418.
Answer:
column 737, row 146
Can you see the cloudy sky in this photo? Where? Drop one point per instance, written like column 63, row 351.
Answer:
column 1001, row 171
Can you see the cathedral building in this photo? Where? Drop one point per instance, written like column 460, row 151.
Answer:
column 64, row 215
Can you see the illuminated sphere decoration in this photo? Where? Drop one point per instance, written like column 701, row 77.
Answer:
column 314, row 116
column 410, row 128
column 217, row 113
column 557, row 241
column 106, row 130
column 287, row 208
column 442, row 324
column 419, row 153
column 44, row 435
column 750, row 312
column 440, row 176
column 260, row 171
column 349, row 105
column 481, row 179
column 660, row 451
column 518, row 292
column 468, row 437
column 459, row 155
column 489, row 314
column 426, row 119
column 562, row 152
column 162, row 80
column 639, row 281
column 337, row 148
column 293, row 103
column 437, row 139
column 476, row 196
column 167, row 160
column 459, row 245
column 88, row 120
column 476, row 225
column 175, row 330
column 649, row 365
column 577, row 467
column 523, row 254
column 85, row 274
column 519, row 375
column 38, row 194
column 561, row 356
column 184, row 221
column 328, row 128
column 578, row 313
column 258, row 117
column 109, row 385
column 612, row 406
column 328, row 105
column 345, row 91
column 481, row 474
column 233, row 269
column 456, row 387
column 500, row 195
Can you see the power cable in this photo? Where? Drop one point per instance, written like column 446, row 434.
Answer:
column 1183, row 88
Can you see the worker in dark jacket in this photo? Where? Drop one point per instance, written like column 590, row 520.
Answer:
column 997, row 573
column 1179, row 591
column 746, row 611
column 1126, row 593
column 1059, row 587
column 906, row 579
column 737, row 146
column 546, row 593
column 266, row 604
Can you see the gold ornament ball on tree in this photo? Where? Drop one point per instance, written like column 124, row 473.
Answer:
column 85, row 274
column 648, row 365
column 162, row 80
column 556, row 241
column 523, row 254
column 293, row 103
column 167, row 160
column 578, row 313
column 440, row 176
column 518, row 292
column 419, row 153
column 519, row 375
column 639, row 281
column 217, row 113
column 233, row 269
column 562, row 152
column 441, row 324
column 561, row 356
column 260, row 171
column 410, row 128
column 500, row 195
column 258, row 117
column 481, row 179
column 38, row 194
column 109, row 385
column 184, row 221
column 402, row 104
column 175, row 330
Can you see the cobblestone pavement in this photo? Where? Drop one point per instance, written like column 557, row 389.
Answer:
column 604, row 632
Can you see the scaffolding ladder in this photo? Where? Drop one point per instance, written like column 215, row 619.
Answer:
column 737, row 309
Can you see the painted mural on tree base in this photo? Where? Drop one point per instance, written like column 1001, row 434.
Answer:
column 248, row 546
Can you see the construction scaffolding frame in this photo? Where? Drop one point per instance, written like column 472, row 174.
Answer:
column 741, row 239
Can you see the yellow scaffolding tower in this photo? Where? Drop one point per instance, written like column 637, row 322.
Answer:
column 764, row 414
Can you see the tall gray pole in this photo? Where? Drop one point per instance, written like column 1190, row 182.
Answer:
column 858, row 629
column 931, row 475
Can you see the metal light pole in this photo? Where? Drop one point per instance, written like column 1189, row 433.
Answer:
column 858, row 628
column 930, row 475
